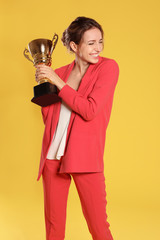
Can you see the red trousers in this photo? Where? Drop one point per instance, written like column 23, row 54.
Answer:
column 91, row 190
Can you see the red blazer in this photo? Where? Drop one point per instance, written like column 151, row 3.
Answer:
column 91, row 108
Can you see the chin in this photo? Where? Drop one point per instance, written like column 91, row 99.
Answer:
column 94, row 61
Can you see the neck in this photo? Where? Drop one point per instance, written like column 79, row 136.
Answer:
column 81, row 66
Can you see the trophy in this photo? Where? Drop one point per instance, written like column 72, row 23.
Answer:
column 45, row 93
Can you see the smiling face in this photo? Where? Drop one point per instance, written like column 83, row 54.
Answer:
column 90, row 47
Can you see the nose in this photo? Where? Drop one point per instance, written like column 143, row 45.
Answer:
column 98, row 47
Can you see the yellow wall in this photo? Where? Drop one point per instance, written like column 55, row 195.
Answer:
column 132, row 153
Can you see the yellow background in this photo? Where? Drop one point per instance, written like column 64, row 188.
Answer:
column 132, row 38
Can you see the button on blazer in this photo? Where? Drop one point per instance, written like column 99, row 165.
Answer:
column 91, row 108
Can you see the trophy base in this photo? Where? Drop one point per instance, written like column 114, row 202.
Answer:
column 45, row 94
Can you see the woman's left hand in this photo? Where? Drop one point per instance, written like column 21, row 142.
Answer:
column 43, row 71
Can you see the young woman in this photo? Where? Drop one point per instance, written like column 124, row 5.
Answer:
column 75, row 130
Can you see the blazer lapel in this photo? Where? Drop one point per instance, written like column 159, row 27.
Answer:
column 85, row 82
column 87, row 78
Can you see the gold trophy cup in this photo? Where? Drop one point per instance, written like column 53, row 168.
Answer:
column 45, row 93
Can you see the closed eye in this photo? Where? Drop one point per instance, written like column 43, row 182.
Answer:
column 90, row 43
column 93, row 42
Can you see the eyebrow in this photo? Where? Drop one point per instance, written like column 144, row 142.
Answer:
column 95, row 40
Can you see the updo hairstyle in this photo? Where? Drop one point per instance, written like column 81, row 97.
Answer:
column 76, row 30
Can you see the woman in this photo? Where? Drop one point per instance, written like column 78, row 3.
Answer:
column 75, row 129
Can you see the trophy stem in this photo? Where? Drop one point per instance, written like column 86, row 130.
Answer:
column 44, row 80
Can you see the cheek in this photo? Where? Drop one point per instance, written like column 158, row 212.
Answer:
column 102, row 47
column 83, row 52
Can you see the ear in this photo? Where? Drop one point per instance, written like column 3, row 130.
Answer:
column 73, row 46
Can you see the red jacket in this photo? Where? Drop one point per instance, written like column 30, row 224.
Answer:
column 91, row 108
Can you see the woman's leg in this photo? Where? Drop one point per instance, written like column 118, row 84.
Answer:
column 91, row 190
column 56, row 187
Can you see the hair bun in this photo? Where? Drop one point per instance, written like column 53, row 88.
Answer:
column 65, row 38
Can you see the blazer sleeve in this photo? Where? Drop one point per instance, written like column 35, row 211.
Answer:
column 103, row 88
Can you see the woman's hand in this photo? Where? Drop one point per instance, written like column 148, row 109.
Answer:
column 43, row 71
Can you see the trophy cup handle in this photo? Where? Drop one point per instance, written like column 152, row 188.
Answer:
column 54, row 41
column 27, row 56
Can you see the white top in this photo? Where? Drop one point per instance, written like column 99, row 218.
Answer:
column 57, row 146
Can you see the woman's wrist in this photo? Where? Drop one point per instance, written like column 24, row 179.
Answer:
column 59, row 82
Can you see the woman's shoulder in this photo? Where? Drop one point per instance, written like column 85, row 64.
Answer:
column 106, row 66
column 107, row 71
column 108, row 62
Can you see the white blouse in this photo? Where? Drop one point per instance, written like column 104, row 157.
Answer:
column 57, row 146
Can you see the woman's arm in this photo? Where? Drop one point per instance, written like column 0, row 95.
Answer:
column 88, row 107
column 104, row 87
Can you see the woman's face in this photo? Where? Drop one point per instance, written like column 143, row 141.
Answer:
column 91, row 46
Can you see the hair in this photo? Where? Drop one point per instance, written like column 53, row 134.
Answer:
column 76, row 30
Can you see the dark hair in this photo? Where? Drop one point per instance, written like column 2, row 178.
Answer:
column 76, row 30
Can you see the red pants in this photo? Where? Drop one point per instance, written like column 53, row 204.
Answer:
column 91, row 190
